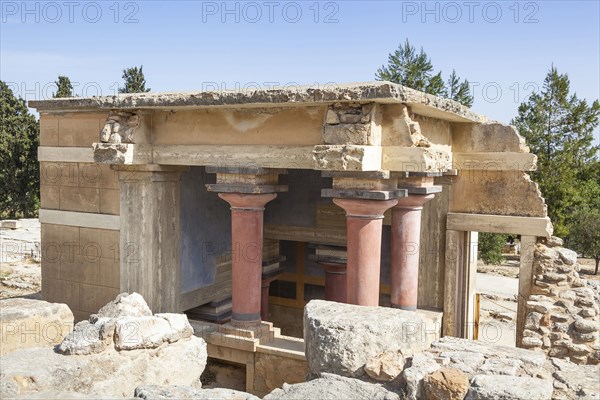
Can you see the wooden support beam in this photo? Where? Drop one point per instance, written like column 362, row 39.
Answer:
column 204, row 295
column 452, row 282
column 533, row 226
column 469, row 281
column 525, row 281
column 501, row 161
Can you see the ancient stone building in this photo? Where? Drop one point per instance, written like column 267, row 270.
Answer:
column 369, row 193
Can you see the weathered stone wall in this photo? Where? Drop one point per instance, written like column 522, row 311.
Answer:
column 562, row 316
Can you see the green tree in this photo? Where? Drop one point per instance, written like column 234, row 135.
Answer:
column 19, row 168
column 559, row 129
column 65, row 88
column 584, row 233
column 459, row 91
column 489, row 247
column 135, row 82
column 414, row 69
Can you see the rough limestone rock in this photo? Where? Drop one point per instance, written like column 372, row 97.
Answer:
column 342, row 338
column 562, row 309
column 179, row 325
column 446, row 383
column 108, row 374
column 330, row 386
column 454, row 344
column 422, row 364
column 154, row 392
column 85, row 339
column 26, row 323
column 109, row 356
column 141, row 332
column 123, row 324
column 386, row 366
column 125, row 305
column 583, row 380
column 504, row 387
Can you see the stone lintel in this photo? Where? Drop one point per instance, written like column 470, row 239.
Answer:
column 245, row 188
column 364, row 194
column 422, row 189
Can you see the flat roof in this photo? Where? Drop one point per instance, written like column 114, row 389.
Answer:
column 379, row 92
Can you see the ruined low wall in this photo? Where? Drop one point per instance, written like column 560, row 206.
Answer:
column 562, row 309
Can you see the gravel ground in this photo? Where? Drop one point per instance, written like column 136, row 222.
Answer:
column 20, row 269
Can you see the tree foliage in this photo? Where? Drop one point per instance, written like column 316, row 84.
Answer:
column 135, row 82
column 489, row 247
column 19, row 168
column 584, row 233
column 414, row 69
column 559, row 129
column 65, row 88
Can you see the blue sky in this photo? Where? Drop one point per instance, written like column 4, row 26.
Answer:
column 504, row 48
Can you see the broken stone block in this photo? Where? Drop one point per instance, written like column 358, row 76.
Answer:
column 85, row 339
column 501, row 366
column 180, row 326
column 331, row 386
column 335, row 336
column 421, row 365
column 568, row 256
column 125, row 305
column 110, row 374
column 505, row 387
column 141, row 332
column 446, row 383
column 28, row 323
column 386, row 366
column 178, row 392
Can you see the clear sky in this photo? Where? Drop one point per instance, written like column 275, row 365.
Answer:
column 504, row 48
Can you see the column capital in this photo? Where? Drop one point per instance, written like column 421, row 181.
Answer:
column 362, row 208
column 413, row 201
column 247, row 202
column 246, row 180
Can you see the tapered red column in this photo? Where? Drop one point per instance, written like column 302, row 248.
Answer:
column 406, row 242
column 364, row 220
column 264, row 299
column 335, row 281
column 246, row 243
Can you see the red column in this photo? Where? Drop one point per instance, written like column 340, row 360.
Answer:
column 335, row 281
column 406, row 242
column 264, row 299
column 364, row 220
column 246, row 244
